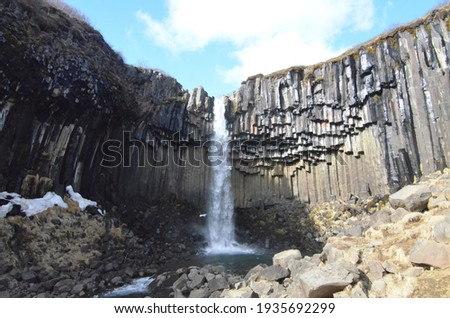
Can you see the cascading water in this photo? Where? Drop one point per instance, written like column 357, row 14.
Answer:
column 221, row 207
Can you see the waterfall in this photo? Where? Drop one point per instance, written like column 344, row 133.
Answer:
column 221, row 238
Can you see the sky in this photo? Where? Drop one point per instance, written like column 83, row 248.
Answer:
column 217, row 44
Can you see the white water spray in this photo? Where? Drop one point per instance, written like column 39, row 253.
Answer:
column 221, row 207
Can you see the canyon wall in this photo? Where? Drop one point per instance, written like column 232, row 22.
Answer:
column 364, row 123
column 72, row 112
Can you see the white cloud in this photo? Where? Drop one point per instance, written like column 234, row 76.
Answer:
column 266, row 35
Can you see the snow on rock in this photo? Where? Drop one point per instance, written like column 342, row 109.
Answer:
column 31, row 206
column 5, row 209
column 82, row 202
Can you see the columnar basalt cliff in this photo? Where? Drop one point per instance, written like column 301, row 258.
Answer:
column 64, row 93
column 367, row 122
column 72, row 112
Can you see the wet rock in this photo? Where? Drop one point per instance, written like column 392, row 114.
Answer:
column 411, row 197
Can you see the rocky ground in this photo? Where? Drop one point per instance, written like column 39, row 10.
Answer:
column 396, row 246
column 73, row 253
column 392, row 246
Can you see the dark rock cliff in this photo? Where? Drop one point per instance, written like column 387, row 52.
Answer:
column 64, row 93
column 72, row 112
column 367, row 122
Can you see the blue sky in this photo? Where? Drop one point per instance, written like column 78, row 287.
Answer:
column 219, row 43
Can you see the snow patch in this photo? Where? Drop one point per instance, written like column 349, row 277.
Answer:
column 31, row 206
column 5, row 209
column 82, row 202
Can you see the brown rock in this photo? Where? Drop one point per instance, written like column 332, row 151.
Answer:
column 430, row 253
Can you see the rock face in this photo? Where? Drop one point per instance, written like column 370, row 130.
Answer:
column 367, row 122
column 73, row 113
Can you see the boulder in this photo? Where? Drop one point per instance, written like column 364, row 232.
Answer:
column 326, row 280
column 283, row 258
column 412, row 197
column 200, row 293
column 262, row 288
column 218, row 283
column 244, row 292
column 274, row 273
column 254, row 273
column 196, row 279
column 430, row 253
